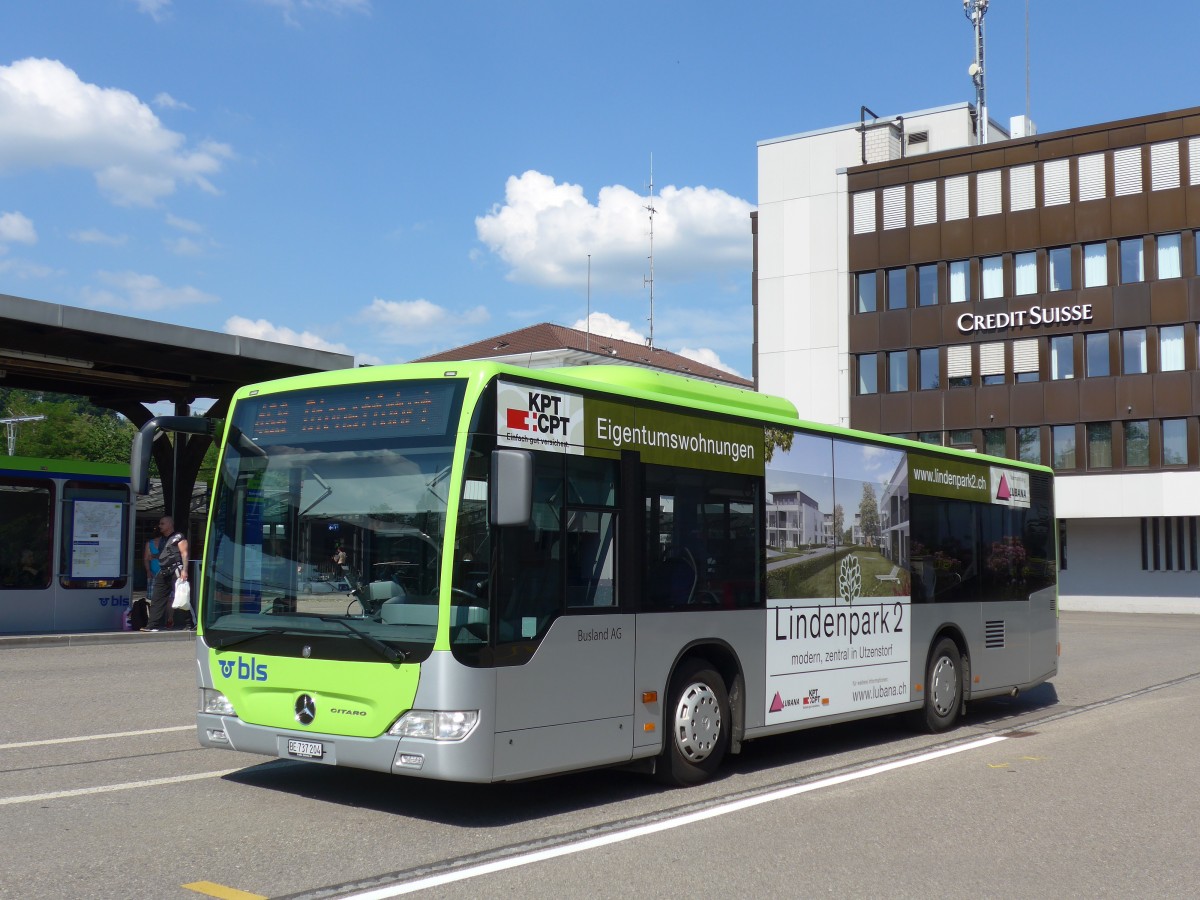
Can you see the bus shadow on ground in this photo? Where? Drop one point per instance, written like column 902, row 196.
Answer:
column 485, row 806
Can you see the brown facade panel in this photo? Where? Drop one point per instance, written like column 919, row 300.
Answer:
column 863, row 252
column 1093, row 221
column 1131, row 305
column 1135, row 397
column 1055, row 148
column 1101, row 301
column 1062, row 401
column 1173, row 394
column 1168, row 301
column 992, row 406
column 1191, row 195
column 925, row 243
column 960, row 408
column 1023, row 229
column 895, row 413
column 1194, row 299
column 894, row 247
column 1020, row 153
column 1164, row 130
column 926, row 326
column 1166, row 211
column 864, row 412
column 958, row 164
column 1093, row 142
column 927, row 411
column 1097, row 399
column 862, row 181
column 1057, row 224
column 1027, row 404
column 863, row 333
column 894, row 333
column 1129, row 215
column 956, row 238
column 989, row 235
column 924, row 171
column 1130, row 136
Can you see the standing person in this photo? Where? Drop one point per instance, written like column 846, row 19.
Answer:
column 173, row 560
column 339, row 562
column 150, row 561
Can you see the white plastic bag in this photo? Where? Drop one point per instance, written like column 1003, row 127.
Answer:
column 183, row 595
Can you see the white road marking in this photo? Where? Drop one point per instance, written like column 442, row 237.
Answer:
column 109, row 788
column 96, row 737
column 664, row 825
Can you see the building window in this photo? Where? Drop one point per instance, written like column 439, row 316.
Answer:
column 930, row 437
column 993, row 442
column 991, row 363
column 927, row 286
column 1029, row 445
column 1137, row 444
column 1062, row 357
column 868, row 373
column 897, row 289
column 960, row 281
column 1060, row 269
column 1169, row 256
column 1174, row 441
column 929, row 375
column 961, row 438
column 1196, row 242
column 1096, row 346
column 1099, row 445
column 1025, row 273
column 1132, row 269
column 1170, row 348
column 866, row 292
column 958, row 365
column 1064, row 446
column 1025, row 360
column 992, row 268
column 1133, row 351
column 1095, row 265
column 897, row 362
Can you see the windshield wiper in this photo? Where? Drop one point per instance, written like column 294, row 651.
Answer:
column 391, row 654
column 225, row 643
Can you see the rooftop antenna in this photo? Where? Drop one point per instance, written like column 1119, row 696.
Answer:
column 649, row 280
column 975, row 10
column 587, row 341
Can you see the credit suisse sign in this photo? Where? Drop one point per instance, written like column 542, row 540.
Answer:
column 970, row 323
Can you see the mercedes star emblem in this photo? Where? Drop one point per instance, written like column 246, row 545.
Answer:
column 306, row 709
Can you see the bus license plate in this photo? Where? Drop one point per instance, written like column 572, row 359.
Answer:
column 306, row 749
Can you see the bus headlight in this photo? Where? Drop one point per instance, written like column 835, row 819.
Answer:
column 216, row 703
column 436, row 724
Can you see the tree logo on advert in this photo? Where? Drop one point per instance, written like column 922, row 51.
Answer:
column 539, row 418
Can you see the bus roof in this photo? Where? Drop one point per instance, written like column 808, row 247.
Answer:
column 629, row 381
column 22, row 465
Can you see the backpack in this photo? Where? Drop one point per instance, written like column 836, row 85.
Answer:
column 139, row 614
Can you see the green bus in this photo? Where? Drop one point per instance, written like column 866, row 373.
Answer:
column 482, row 573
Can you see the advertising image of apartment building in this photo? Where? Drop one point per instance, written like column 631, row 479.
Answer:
column 794, row 520
column 1034, row 296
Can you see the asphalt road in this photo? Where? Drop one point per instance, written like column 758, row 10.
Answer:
column 1081, row 788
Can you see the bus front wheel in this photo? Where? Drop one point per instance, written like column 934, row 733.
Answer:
column 699, row 722
column 943, row 687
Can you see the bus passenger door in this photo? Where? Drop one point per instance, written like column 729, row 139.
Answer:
column 564, row 651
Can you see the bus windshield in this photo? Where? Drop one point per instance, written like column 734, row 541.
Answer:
column 327, row 526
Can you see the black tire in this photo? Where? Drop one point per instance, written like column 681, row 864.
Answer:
column 943, row 688
column 697, row 724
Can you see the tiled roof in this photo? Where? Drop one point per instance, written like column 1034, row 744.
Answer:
column 547, row 337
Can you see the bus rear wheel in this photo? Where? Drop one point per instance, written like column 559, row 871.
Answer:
column 699, row 723
column 943, row 687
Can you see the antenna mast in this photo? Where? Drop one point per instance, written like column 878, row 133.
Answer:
column 650, row 280
column 975, row 10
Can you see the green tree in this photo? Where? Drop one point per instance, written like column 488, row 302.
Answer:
column 868, row 511
column 839, row 522
column 73, row 428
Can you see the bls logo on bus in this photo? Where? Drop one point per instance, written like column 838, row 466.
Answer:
column 246, row 670
column 544, row 415
column 114, row 601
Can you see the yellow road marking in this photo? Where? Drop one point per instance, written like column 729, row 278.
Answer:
column 211, row 889
column 997, row 765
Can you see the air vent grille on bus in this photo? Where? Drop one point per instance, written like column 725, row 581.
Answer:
column 993, row 635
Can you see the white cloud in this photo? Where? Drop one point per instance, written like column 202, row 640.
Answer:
column 183, row 246
column 51, row 118
column 16, row 228
column 419, row 323
column 604, row 325
column 290, row 8
column 155, row 9
column 185, row 224
column 607, row 326
column 23, row 268
column 96, row 236
column 163, row 100
column 545, row 231
column 280, row 334
column 142, row 293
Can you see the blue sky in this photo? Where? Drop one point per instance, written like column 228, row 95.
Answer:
column 390, row 179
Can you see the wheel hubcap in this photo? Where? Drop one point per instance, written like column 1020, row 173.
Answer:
column 697, row 722
column 943, row 686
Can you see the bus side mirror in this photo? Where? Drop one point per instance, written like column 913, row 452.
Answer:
column 143, row 441
column 510, row 490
